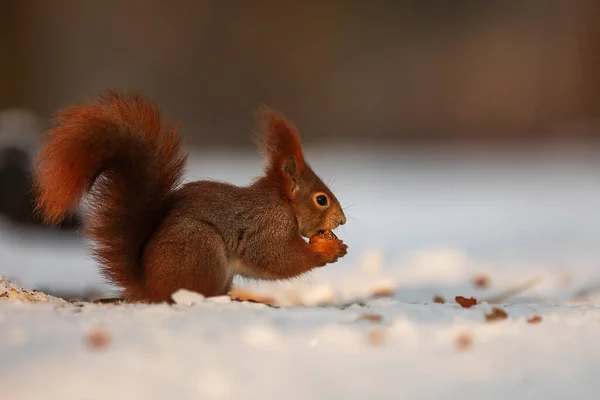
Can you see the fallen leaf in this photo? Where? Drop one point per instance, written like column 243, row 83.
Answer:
column 497, row 314
column 376, row 337
column 98, row 339
column 371, row 317
column 246, row 295
column 536, row 319
column 383, row 292
column 464, row 341
column 464, row 302
column 439, row 300
column 481, row 282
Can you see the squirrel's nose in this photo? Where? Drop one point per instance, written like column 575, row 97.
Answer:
column 343, row 220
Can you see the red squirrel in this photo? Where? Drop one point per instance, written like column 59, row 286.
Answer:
column 153, row 235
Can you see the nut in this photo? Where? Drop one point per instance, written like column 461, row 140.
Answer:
column 323, row 236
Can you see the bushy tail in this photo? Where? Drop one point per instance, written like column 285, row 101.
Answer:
column 116, row 148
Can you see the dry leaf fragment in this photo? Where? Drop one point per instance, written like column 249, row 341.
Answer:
column 497, row 314
column 98, row 339
column 536, row 319
column 481, row 282
column 246, row 295
column 464, row 341
column 439, row 300
column 464, row 302
column 383, row 292
column 371, row 317
column 376, row 337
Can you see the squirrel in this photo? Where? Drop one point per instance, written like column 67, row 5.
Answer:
column 153, row 235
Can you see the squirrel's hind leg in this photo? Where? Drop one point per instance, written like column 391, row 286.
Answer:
column 187, row 254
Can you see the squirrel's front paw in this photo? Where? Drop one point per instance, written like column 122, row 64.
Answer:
column 330, row 250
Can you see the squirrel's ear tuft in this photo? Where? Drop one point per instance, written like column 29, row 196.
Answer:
column 278, row 139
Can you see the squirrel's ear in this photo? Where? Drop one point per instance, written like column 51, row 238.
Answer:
column 278, row 140
column 290, row 170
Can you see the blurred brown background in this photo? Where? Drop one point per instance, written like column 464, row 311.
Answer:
column 401, row 71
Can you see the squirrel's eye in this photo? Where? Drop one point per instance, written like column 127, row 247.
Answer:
column 321, row 200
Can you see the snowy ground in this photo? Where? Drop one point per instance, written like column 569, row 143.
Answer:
column 423, row 224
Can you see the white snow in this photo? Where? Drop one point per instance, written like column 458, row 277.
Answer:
column 422, row 224
column 187, row 297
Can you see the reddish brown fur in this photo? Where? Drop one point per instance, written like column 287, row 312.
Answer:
column 153, row 237
column 123, row 138
column 278, row 138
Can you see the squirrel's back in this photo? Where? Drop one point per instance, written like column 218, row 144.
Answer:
column 116, row 148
